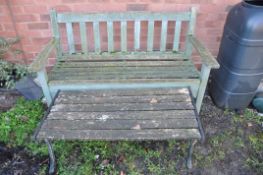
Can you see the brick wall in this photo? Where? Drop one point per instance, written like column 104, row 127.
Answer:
column 31, row 18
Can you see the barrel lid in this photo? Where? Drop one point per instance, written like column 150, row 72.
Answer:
column 245, row 24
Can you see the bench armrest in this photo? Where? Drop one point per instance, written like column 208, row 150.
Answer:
column 41, row 60
column 206, row 56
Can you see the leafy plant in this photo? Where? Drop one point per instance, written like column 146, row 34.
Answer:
column 18, row 124
column 10, row 73
column 7, row 46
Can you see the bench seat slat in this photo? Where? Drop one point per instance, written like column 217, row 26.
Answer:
column 72, row 99
column 111, row 84
column 126, row 64
column 150, row 134
column 120, row 124
column 124, row 115
column 127, row 92
column 125, row 55
column 122, row 107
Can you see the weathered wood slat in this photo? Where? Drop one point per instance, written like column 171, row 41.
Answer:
column 123, row 83
column 120, row 16
column 163, row 35
column 125, row 75
column 120, row 78
column 177, row 34
column 110, row 36
column 41, row 60
column 122, row 107
column 137, row 34
column 206, row 56
column 55, row 32
column 70, row 38
column 96, row 31
column 83, row 70
column 128, row 92
column 116, row 78
column 150, row 36
column 73, row 99
column 124, row 36
column 120, row 124
column 83, row 37
column 191, row 29
column 127, row 64
column 125, row 55
column 127, row 71
column 150, row 134
column 124, row 115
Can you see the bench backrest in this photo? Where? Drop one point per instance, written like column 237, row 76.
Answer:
column 68, row 19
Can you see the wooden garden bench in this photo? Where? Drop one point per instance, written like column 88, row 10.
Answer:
column 122, row 94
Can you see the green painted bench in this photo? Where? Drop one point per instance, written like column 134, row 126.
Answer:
column 127, row 69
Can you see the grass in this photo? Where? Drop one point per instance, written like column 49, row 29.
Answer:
column 133, row 158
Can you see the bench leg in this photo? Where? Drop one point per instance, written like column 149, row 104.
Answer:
column 190, row 153
column 52, row 163
column 43, row 78
column 205, row 71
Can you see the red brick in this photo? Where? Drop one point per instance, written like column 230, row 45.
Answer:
column 41, row 40
column 36, row 26
column 21, row 2
column 62, row 8
column 99, row 1
column 137, row 7
column 17, row 10
column 45, row 17
column 8, row 26
column 125, row 1
column 178, row 1
column 35, row 9
column 5, row 19
column 25, row 18
column 72, row 1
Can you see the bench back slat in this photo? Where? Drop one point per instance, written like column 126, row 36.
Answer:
column 122, row 16
column 191, row 29
column 122, row 20
column 137, row 34
column 123, row 36
column 150, row 35
column 70, row 37
column 96, row 31
column 110, row 36
column 177, row 34
column 83, row 37
column 163, row 35
column 55, row 31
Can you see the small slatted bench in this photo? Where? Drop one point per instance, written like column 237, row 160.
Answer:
column 130, row 67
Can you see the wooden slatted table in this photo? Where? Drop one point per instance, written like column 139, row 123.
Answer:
column 130, row 114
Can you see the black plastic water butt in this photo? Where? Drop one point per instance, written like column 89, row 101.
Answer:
column 240, row 56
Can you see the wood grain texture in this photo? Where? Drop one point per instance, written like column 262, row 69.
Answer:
column 150, row 134
column 120, row 124
column 207, row 58
column 122, row 16
column 41, row 61
column 124, row 115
